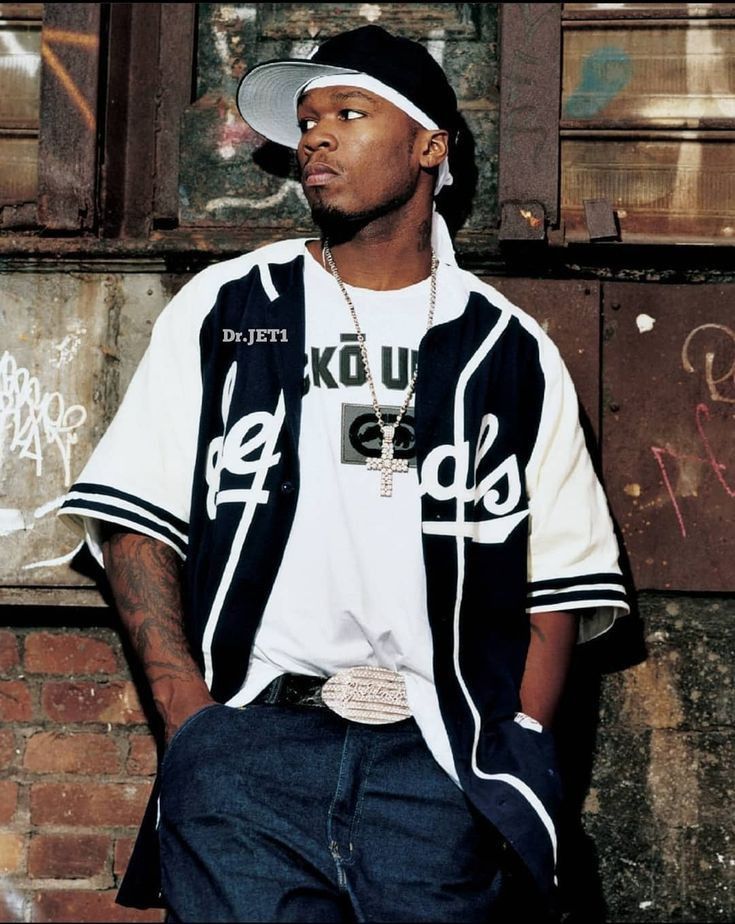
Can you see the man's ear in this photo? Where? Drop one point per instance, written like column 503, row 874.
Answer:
column 435, row 148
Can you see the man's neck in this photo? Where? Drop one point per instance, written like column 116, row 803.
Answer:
column 386, row 254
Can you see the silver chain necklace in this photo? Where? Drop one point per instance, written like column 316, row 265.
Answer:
column 386, row 464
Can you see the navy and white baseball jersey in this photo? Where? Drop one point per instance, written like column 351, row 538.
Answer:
column 204, row 455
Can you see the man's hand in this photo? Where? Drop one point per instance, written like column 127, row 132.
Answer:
column 144, row 575
column 553, row 637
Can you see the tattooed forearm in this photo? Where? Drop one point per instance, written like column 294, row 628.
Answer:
column 144, row 575
column 537, row 631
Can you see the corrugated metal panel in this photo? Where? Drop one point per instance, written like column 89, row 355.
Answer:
column 679, row 188
column 18, row 170
column 648, row 121
column 669, row 456
column 20, row 81
column 663, row 75
column 20, row 74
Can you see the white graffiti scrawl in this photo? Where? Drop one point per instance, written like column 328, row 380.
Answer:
column 32, row 420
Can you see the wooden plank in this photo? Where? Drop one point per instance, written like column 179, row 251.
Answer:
column 178, row 32
column 530, row 88
column 130, row 138
column 52, row 596
column 24, row 11
column 68, row 133
column 645, row 11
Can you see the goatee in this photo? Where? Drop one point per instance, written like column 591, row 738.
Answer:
column 338, row 226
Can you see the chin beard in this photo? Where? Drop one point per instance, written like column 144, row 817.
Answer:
column 336, row 225
column 339, row 226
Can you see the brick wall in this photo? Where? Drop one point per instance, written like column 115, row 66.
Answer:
column 76, row 767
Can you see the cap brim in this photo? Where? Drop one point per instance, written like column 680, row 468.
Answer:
column 266, row 95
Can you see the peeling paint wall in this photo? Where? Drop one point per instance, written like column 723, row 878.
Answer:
column 71, row 343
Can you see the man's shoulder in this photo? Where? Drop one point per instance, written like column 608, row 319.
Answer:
column 218, row 274
column 488, row 297
column 195, row 300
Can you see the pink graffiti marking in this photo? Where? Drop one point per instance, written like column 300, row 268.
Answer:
column 701, row 414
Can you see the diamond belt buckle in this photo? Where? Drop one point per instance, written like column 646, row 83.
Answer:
column 372, row 695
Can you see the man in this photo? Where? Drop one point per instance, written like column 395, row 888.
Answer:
column 391, row 590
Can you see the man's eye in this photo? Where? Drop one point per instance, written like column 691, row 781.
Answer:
column 306, row 125
column 348, row 114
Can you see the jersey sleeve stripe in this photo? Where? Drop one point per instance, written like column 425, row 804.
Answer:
column 136, row 521
column 578, row 599
column 540, row 594
column 131, row 501
column 602, row 577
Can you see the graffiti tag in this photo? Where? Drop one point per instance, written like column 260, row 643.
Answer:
column 33, row 420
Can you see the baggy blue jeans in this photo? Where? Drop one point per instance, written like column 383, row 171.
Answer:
column 290, row 813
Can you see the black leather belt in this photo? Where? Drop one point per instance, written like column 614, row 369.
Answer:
column 371, row 695
column 292, row 690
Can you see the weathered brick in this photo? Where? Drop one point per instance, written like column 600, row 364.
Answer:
column 13, row 903
column 52, row 653
column 142, row 760
column 86, row 701
column 93, row 804
column 84, row 906
column 8, row 800
column 123, row 849
column 15, row 701
column 8, row 652
column 7, row 748
column 12, row 852
column 68, row 856
column 54, row 752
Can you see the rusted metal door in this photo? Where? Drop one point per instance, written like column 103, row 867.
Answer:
column 668, row 450
column 662, row 379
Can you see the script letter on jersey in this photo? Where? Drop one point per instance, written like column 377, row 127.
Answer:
column 254, row 433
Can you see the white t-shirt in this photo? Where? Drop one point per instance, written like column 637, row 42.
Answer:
column 351, row 587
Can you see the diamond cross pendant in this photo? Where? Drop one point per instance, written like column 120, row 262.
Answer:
column 386, row 464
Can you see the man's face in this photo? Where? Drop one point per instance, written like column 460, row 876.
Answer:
column 358, row 154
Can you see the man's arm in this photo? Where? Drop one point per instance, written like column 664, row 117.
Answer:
column 144, row 575
column 553, row 637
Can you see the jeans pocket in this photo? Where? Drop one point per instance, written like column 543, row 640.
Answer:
column 182, row 729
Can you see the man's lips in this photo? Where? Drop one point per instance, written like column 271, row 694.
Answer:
column 317, row 174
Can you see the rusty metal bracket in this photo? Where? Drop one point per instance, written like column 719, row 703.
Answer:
column 522, row 221
column 602, row 223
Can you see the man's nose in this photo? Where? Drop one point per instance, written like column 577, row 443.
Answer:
column 318, row 137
